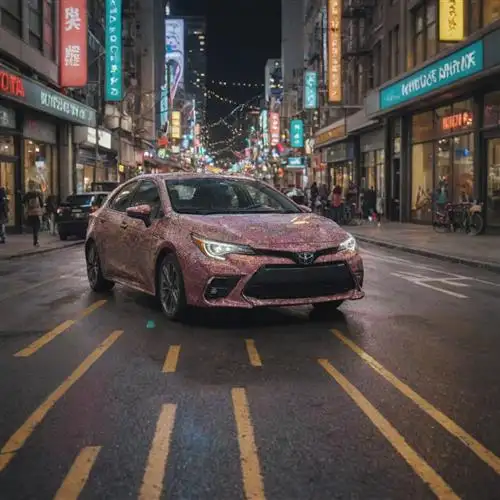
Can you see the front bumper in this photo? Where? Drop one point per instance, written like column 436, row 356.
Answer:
column 257, row 281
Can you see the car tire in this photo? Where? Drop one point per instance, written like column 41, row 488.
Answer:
column 97, row 281
column 328, row 306
column 63, row 236
column 170, row 289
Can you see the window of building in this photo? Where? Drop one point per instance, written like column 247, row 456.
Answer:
column 395, row 48
column 422, row 127
column 11, row 16
column 425, row 44
column 492, row 109
column 493, row 190
column 419, row 34
column 48, row 29
column 38, row 166
column 377, row 64
column 422, row 168
column 473, row 15
column 35, row 23
column 463, row 168
column 431, row 30
column 491, row 11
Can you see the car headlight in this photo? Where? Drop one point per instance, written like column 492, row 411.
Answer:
column 219, row 250
column 349, row 245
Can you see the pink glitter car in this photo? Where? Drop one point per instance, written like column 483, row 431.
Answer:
column 219, row 241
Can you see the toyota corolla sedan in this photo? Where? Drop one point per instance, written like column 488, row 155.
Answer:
column 215, row 241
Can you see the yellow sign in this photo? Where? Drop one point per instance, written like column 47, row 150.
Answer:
column 334, row 133
column 451, row 21
column 176, row 125
column 335, row 50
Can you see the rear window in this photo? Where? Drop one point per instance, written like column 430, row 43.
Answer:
column 81, row 199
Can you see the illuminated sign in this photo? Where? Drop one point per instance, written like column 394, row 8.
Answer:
column 458, row 120
column 11, row 84
column 297, row 134
column 334, row 133
column 310, row 90
column 175, row 130
column 451, row 21
column 73, row 43
column 335, row 50
column 114, row 60
column 274, row 128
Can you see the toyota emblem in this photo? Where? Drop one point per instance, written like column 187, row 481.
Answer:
column 305, row 258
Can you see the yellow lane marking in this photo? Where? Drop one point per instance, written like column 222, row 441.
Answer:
column 473, row 444
column 413, row 459
column 152, row 483
column 78, row 475
column 49, row 336
column 19, row 438
column 253, row 483
column 253, row 354
column 172, row 359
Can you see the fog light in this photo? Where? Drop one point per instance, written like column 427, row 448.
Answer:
column 220, row 287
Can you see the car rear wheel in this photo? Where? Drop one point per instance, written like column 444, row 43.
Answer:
column 97, row 281
column 170, row 290
column 328, row 306
column 63, row 236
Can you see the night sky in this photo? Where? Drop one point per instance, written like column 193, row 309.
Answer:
column 241, row 36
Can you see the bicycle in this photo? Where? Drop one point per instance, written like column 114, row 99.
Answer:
column 466, row 217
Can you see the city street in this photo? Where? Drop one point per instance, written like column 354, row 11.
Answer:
column 395, row 396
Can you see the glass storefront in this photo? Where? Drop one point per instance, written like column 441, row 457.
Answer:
column 7, row 174
column 85, row 166
column 39, row 166
column 493, row 172
column 442, row 158
column 373, row 178
column 342, row 174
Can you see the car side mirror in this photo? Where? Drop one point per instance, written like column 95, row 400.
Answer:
column 305, row 208
column 141, row 212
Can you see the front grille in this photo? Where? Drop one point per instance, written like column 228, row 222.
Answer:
column 294, row 256
column 294, row 282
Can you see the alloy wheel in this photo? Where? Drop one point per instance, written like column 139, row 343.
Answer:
column 170, row 288
column 92, row 265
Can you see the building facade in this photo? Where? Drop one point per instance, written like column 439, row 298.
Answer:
column 428, row 130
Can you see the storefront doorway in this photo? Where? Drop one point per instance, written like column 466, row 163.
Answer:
column 493, row 183
column 7, row 180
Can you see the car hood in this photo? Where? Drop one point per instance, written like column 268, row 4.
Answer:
column 266, row 230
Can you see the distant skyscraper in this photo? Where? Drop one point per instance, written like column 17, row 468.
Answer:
column 273, row 79
column 196, row 64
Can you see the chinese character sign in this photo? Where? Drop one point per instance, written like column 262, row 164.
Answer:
column 73, row 43
column 297, row 134
column 335, row 50
column 114, row 63
column 451, row 20
column 274, row 128
column 310, row 90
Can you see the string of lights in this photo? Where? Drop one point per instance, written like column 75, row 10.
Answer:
column 211, row 94
column 248, row 104
column 223, row 83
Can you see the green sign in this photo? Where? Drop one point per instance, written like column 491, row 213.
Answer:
column 461, row 64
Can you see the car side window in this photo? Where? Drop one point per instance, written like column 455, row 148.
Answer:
column 121, row 200
column 148, row 194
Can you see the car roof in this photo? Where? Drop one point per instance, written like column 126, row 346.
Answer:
column 90, row 193
column 192, row 175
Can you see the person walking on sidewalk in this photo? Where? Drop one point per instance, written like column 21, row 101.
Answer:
column 4, row 213
column 33, row 202
column 51, row 208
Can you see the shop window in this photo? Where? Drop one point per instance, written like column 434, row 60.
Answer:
column 368, row 171
column 491, row 11
column 38, row 166
column 380, row 179
column 492, row 109
column 7, row 181
column 422, row 181
column 463, row 168
column 7, row 146
column 443, row 173
column 493, row 193
column 11, row 16
column 423, row 127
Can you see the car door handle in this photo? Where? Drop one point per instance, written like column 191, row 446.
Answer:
column 124, row 225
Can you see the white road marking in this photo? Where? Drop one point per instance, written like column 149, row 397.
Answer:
column 424, row 282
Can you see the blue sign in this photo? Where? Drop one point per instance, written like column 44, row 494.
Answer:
column 296, row 161
column 310, row 90
column 461, row 64
column 297, row 134
column 114, row 61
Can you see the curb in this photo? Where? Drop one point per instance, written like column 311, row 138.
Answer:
column 31, row 253
column 495, row 268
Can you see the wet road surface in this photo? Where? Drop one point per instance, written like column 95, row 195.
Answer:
column 393, row 397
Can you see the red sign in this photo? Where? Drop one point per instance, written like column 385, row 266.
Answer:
column 11, row 84
column 274, row 128
column 458, row 120
column 73, row 43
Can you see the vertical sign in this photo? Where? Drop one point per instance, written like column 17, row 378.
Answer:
column 335, row 50
column 451, row 20
column 310, row 90
column 264, row 128
column 176, row 125
column 114, row 62
column 73, row 43
column 274, row 128
column 297, row 134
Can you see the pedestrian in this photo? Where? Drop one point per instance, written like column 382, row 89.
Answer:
column 4, row 213
column 33, row 203
column 337, row 204
column 51, row 208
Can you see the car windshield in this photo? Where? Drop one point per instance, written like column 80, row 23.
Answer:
column 226, row 196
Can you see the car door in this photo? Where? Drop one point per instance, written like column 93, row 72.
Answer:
column 141, row 239
column 112, row 220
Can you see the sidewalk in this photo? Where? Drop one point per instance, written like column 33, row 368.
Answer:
column 21, row 245
column 477, row 251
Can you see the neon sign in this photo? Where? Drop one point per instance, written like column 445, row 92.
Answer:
column 11, row 84
column 458, row 120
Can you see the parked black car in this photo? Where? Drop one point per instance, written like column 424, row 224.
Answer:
column 73, row 214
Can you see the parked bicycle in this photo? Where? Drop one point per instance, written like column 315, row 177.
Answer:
column 466, row 217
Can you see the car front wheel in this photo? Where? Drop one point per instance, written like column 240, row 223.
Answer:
column 97, row 281
column 171, row 293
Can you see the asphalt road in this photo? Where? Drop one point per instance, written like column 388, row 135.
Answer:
column 394, row 397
